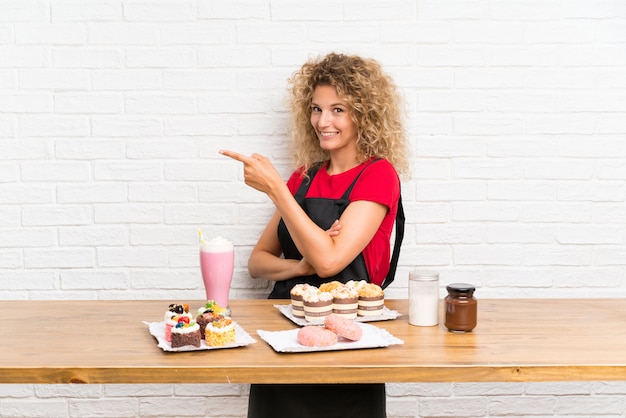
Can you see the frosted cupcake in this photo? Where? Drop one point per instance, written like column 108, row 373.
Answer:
column 345, row 302
column 371, row 300
column 317, row 305
column 297, row 299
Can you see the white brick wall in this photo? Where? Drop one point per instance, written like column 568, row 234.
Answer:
column 112, row 112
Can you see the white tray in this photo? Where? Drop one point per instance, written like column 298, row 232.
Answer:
column 386, row 315
column 157, row 329
column 287, row 341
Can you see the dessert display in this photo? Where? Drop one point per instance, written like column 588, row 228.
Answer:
column 332, row 320
column 352, row 300
column 335, row 327
column 185, row 333
column 179, row 331
column 220, row 332
column 336, row 333
column 315, row 336
column 317, row 304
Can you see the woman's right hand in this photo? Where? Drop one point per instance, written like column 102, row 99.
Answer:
column 258, row 171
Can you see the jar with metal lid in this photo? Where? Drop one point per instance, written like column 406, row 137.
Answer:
column 461, row 307
column 423, row 298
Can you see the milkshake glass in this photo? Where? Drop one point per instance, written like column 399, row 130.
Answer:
column 217, row 262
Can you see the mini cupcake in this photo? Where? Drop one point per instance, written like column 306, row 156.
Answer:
column 317, row 305
column 185, row 333
column 371, row 300
column 345, row 302
column 297, row 293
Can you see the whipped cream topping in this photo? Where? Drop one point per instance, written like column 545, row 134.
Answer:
column 315, row 295
column 221, row 325
column 217, row 245
column 186, row 328
column 171, row 318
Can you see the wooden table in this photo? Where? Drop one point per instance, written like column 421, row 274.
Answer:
column 515, row 340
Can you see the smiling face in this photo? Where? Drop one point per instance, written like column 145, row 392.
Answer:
column 331, row 119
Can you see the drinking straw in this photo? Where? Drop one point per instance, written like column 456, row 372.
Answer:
column 202, row 241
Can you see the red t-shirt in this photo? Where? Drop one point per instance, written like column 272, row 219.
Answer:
column 379, row 183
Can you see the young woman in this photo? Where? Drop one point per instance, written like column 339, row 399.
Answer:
column 335, row 215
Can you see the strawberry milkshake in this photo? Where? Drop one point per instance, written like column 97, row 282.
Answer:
column 217, row 258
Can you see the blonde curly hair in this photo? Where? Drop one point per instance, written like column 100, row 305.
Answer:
column 375, row 107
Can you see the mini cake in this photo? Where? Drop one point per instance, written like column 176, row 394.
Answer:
column 208, row 313
column 205, row 319
column 185, row 333
column 173, row 313
column 317, row 305
column 345, row 302
column 213, row 306
column 371, row 300
column 220, row 332
column 297, row 292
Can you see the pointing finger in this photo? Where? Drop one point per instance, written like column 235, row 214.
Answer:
column 235, row 155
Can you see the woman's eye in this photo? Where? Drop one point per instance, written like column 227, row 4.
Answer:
column 338, row 110
column 316, row 109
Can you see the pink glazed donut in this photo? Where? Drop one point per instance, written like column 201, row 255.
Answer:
column 343, row 327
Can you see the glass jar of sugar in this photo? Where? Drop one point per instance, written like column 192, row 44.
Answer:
column 423, row 298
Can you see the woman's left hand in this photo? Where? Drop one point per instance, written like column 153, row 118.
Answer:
column 258, row 171
column 334, row 229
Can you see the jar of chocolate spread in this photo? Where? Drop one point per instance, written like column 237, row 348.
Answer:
column 461, row 307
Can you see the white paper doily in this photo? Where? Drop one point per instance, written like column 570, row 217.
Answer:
column 287, row 341
column 386, row 315
column 157, row 329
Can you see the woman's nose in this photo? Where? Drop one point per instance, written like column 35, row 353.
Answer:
column 325, row 118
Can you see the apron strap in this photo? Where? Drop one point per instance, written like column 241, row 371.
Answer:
column 306, row 183
column 391, row 275
column 346, row 195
